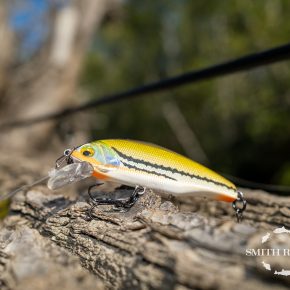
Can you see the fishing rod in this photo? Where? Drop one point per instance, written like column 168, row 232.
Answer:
column 244, row 63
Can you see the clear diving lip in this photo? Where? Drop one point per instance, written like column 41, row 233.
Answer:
column 69, row 174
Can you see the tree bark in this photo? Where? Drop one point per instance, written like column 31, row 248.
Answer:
column 157, row 244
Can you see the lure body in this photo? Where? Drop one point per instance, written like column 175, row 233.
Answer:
column 137, row 163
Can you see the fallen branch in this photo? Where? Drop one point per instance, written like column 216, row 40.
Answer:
column 156, row 244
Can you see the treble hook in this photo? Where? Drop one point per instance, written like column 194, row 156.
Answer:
column 120, row 205
column 239, row 210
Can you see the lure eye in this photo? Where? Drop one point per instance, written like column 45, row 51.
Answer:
column 88, row 151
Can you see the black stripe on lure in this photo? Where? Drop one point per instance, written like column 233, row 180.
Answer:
column 140, row 165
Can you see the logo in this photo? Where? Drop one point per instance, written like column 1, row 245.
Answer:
column 271, row 253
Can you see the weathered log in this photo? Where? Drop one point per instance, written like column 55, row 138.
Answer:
column 157, row 244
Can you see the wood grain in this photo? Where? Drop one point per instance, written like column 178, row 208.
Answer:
column 158, row 244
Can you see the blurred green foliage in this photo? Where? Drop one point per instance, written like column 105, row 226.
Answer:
column 242, row 121
column 4, row 208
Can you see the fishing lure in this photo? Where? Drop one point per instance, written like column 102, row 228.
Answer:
column 142, row 165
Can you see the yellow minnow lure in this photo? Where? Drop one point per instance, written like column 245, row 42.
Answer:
column 136, row 163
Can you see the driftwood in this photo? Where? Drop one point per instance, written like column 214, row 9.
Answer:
column 48, row 241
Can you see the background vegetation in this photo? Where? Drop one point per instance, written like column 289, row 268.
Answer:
column 241, row 121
